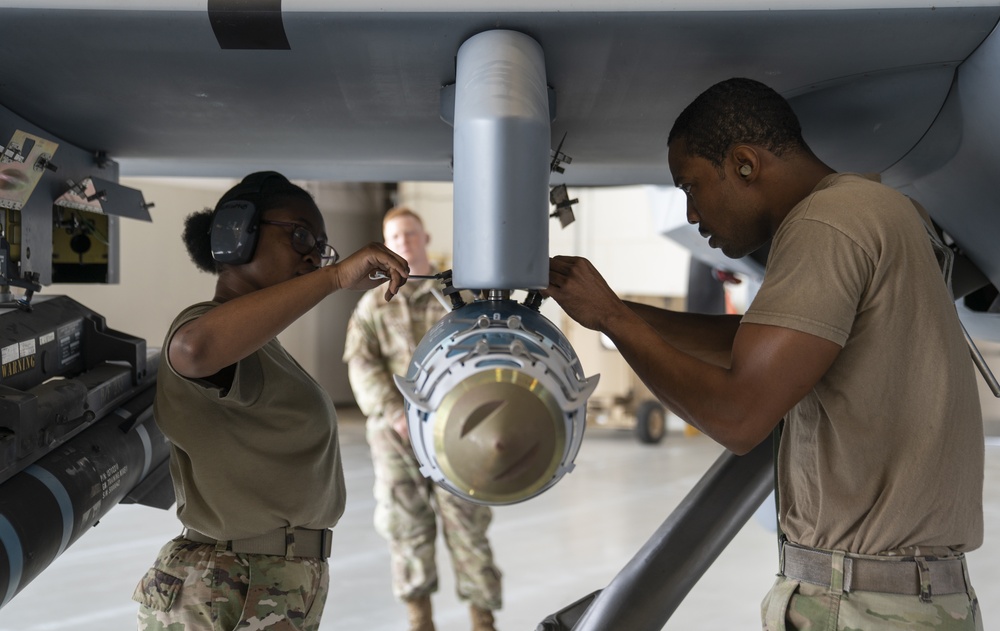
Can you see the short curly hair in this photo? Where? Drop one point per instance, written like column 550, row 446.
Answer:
column 198, row 241
column 737, row 111
column 266, row 189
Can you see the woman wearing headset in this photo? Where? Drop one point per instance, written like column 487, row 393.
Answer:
column 255, row 458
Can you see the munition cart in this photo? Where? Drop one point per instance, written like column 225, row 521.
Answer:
column 621, row 401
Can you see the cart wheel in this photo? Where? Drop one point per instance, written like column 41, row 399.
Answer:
column 650, row 422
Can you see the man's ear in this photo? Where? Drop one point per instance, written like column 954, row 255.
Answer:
column 746, row 162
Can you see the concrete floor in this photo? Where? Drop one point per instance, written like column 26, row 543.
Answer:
column 553, row 549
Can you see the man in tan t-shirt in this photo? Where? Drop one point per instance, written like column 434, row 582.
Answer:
column 852, row 291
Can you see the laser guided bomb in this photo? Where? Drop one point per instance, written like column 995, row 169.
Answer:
column 496, row 401
column 496, row 396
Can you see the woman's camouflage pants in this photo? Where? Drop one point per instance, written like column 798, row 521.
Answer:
column 196, row 587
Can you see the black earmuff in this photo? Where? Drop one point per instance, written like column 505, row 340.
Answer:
column 234, row 232
column 236, row 220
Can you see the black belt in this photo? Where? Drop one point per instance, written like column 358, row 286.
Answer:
column 286, row 542
column 895, row 575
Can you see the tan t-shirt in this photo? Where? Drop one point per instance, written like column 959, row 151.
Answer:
column 260, row 456
column 887, row 450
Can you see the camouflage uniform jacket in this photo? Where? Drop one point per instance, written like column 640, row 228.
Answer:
column 381, row 338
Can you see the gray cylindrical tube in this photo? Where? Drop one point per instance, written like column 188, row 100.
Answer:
column 501, row 146
column 651, row 586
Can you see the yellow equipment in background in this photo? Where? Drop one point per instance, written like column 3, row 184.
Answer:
column 621, row 400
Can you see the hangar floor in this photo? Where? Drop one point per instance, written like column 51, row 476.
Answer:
column 553, row 549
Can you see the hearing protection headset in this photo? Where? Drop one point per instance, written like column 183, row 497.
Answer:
column 236, row 219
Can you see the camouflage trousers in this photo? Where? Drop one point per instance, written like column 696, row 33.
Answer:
column 801, row 606
column 407, row 507
column 195, row 587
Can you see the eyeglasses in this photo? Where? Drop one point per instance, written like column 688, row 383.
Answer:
column 305, row 242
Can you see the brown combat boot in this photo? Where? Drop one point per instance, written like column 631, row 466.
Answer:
column 419, row 612
column 482, row 619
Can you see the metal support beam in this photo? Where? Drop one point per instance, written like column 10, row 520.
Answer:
column 648, row 590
